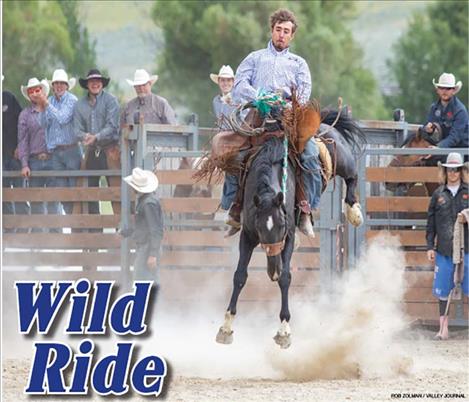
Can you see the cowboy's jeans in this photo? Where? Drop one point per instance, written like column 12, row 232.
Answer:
column 230, row 188
column 66, row 159
column 10, row 208
column 312, row 177
column 37, row 165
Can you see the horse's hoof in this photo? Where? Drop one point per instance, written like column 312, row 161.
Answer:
column 224, row 337
column 283, row 340
column 354, row 214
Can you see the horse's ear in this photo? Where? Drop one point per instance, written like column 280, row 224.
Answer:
column 278, row 200
column 257, row 200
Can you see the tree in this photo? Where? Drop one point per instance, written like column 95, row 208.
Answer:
column 436, row 42
column 48, row 37
column 201, row 36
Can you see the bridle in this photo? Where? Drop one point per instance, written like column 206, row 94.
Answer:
column 273, row 249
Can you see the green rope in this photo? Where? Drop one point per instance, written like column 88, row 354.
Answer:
column 265, row 101
column 285, row 168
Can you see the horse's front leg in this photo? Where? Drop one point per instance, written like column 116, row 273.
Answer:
column 246, row 247
column 353, row 210
column 283, row 336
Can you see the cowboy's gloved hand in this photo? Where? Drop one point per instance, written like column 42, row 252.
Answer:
column 429, row 128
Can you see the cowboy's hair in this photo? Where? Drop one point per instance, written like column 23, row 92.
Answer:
column 283, row 15
column 443, row 173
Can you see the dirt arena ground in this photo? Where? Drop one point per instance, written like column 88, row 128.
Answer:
column 436, row 368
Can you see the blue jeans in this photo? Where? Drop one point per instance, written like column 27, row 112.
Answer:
column 10, row 208
column 230, row 188
column 39, row 207
column 66, row 159
column 312, row 178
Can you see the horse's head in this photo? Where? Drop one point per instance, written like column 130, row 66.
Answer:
column 270, row 223
column 421, row 139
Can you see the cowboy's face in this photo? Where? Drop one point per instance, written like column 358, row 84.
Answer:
column 143, row 90
column 59, row 88
column 445, row 94
column 34, row 93
column 95, row 86
column 225, row 84
column 453, row 175
column 282, row 34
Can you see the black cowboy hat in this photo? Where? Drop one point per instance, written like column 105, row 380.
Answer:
column 94, row 73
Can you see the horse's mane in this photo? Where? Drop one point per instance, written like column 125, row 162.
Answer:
column 349, row 128
column 271, row 152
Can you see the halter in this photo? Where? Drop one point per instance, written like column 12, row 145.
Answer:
column 273, row 249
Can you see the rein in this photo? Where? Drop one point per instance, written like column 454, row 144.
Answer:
column 273, row 249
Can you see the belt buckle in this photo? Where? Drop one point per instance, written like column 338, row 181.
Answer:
column 97, row 151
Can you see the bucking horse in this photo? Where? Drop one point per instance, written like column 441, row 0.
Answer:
column 269, row 210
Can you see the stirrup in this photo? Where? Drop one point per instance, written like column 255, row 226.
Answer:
column 232, row 231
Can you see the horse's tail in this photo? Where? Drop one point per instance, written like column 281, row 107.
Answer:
column 346, row 126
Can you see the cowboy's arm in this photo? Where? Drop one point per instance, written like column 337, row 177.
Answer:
column 457, row 131
column 64, row 115
column 111, row 125
column 243, row 91
column 23, row 143
column 303, row 80
column 79, row 123
column 431, row 224
column 169, row 114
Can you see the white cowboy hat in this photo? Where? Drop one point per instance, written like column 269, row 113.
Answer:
column 141, row 180
column 34, row 82
column 447, row 80
column 61, row 76
column 225, row 72
column 141, row 77
column 454, row 160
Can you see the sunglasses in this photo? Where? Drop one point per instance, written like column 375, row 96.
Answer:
column 35, row 90
column 454, row 170
column 445, row 88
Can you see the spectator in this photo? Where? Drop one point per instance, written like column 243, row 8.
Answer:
column 11, row 111
column 96, row 124
column 276, row 70
column 148, row 232
column 32, row 149
column 447, row 201
column 449, row 113
column 154, row 108
column 223, row 104
column 57, row 118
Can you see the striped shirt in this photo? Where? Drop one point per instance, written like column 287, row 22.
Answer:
column 271, row 71
column 57, row 120
column 101, row 119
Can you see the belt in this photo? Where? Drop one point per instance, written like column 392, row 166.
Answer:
column 43, row 156
column 62, row 147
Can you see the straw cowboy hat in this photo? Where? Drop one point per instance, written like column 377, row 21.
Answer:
column 61, row 76
column 141, row 77
column 96, row 74
column 225, row 72
column 447, row 80
column 34, row 82
column 454, row 160
column 141, row 180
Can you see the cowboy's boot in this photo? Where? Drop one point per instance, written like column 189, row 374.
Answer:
column 234, row 220
column 306, row 225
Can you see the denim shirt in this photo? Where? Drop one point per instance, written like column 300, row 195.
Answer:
column 222, row 111
column 453, row 121
column 270, row 70
column 101, row 119
column 57, row 120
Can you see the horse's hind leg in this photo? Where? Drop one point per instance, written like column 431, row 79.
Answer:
column 352, row 206
column 225, row 333
column 283, row 337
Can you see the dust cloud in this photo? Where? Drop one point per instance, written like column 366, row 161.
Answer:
column 349, row 334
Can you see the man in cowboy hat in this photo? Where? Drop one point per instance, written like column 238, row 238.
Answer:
column 56, row 118
column 148, row 232
column 223, row 103
column 276, row 70
column 153, row 108
column 11, row 110
column 96, row 124
column 449, row 113
column 447, row 201
column 32, row 148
